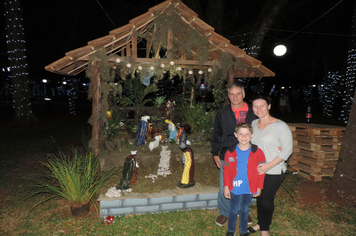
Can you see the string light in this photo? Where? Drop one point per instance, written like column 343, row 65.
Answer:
column 350, row 75
column 15, row 40
column 329, row 90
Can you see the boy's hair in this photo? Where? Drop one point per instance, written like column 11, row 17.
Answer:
column 243, row 125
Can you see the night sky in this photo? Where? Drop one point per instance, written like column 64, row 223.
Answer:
column 55, row 27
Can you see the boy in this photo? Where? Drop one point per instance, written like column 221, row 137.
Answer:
column 241, row 179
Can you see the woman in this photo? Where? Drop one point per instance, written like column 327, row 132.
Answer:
column 274, row 137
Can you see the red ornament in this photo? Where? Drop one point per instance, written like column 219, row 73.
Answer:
column 108, row 220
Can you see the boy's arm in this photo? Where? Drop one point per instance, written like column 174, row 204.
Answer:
column 227, row 192
column 261, row 177
column 258, row 193
column 226, row 169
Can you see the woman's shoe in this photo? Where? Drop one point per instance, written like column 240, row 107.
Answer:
column 251, row 230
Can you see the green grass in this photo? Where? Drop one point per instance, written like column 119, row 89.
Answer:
column 22, row 148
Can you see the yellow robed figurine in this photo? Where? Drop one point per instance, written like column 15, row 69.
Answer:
column 188, row 172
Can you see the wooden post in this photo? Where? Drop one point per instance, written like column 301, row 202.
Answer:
column 134, row 44
column 231, row 76
column 128, row 48
column 170, row 44
column 96, row 106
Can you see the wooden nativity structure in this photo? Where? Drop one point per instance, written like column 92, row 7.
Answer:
column 174, row 39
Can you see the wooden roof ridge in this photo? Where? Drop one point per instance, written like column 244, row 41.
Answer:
column 76, row 60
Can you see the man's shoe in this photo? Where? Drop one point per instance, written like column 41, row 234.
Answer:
column 249, row 220
column 230, row 234
column 244, row 234
column 221, row 220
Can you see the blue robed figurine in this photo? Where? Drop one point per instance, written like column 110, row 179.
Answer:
column 142, row 130
column 172, row 130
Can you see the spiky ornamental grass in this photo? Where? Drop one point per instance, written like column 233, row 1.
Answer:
column 75, row 178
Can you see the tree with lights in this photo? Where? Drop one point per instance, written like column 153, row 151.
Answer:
column 15, row 40
column 342, row 189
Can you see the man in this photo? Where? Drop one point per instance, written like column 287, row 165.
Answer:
column 223, row 137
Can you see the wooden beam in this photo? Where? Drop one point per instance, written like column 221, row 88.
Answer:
column 134, row 44
column 96, row 106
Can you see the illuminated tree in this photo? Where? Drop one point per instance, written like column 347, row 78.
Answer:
column 15, row 40
column 342, row 189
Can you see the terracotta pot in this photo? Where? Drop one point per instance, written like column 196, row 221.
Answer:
column 80, row 210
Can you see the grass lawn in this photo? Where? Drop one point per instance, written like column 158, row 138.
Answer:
column 301, row 205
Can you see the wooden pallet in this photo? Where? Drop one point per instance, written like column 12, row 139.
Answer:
column 318, row 163
column 322, row 139
column 317, row 146
column 315, row 176
column 316, row 129
column 317, row 154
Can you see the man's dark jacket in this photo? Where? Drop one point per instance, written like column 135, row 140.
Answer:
column 224, row 128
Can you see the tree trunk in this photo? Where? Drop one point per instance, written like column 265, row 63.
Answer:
column 18, row 61
column 268, row 15
column 342, row 189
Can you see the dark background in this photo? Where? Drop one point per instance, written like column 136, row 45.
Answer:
column 55, row 27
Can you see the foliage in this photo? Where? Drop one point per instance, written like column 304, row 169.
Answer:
column 196, row 116
column 159, row 101
column 75, row 178
column 114, row 126
column 219, row 97
column 136, row 95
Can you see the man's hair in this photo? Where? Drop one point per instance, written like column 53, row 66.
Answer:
column 235, row 85
column 243, row 125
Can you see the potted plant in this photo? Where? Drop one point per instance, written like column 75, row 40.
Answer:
column 75, row 178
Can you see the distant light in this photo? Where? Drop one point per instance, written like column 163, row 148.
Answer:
column 47, row 99
column 64, row 82
column 282, row 87
column 280, row 50
column 314, row 85
column 44, row 81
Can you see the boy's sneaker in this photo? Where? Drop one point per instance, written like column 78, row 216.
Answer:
column 221, row 220
column 230, row 234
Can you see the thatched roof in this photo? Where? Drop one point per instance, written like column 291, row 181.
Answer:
column 123, row 42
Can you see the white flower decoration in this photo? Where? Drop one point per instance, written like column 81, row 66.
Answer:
column 118, row 60
column 190, row 72
column 162, row 65
column 172, row 63
column 152, row 68
column 128, row 65
column 139, row 67
column 179, row 68
column 200, row 72
column 210, row 70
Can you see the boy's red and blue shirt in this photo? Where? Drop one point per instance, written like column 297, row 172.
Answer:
column 247, row 170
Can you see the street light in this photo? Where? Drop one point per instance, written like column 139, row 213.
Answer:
column 280, row 50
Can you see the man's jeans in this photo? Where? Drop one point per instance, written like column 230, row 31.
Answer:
column 223, row 203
